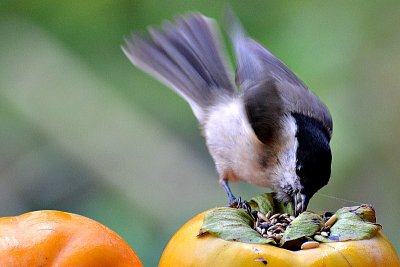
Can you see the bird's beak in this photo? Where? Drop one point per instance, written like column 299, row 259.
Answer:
column 300, row 203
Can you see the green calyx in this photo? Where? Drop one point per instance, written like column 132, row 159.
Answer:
column 232, row 224
column 305, row 225
column 353, row 223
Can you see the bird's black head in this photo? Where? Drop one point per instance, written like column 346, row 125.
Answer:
column 313, row 165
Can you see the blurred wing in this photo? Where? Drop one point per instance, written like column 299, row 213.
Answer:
column 255, row 65
column 187, row 57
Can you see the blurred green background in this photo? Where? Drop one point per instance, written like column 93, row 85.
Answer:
column 83, row 131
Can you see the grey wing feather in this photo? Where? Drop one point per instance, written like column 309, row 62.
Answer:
column 264, row 116
column 255, row 64
column 186, row 56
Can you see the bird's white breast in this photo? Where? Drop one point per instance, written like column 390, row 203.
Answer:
column 233, row 144
column 238, row 154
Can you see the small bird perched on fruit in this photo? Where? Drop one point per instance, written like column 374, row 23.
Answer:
column 268, row 130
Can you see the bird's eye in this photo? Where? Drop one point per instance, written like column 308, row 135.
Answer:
column 300, row 170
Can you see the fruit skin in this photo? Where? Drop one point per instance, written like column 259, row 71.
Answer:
column 186, row 249
column 56, row 238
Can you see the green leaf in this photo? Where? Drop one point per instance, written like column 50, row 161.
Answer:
column 353, row 223
column 306, row 224
column 364, row 212
column 233, row 225
column 263, row 203
column 285, row 207
column 267, row 202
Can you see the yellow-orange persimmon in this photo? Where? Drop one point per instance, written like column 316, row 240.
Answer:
column 55, row 238
column 187, row 249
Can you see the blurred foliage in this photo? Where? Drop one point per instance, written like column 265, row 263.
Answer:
column 84, row 131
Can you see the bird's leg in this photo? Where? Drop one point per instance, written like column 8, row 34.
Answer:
column 233, row 201
column 232, row 198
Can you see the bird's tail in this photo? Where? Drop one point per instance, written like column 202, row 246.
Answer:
column 186, row 56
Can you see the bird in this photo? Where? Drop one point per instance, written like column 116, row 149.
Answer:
column 263, row 126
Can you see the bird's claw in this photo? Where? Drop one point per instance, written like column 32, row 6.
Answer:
column 238, row 203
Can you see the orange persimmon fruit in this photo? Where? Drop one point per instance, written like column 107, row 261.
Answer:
column 186, row 248
column 56, row 238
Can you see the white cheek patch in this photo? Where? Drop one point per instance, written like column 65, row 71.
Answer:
column 286, row 169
